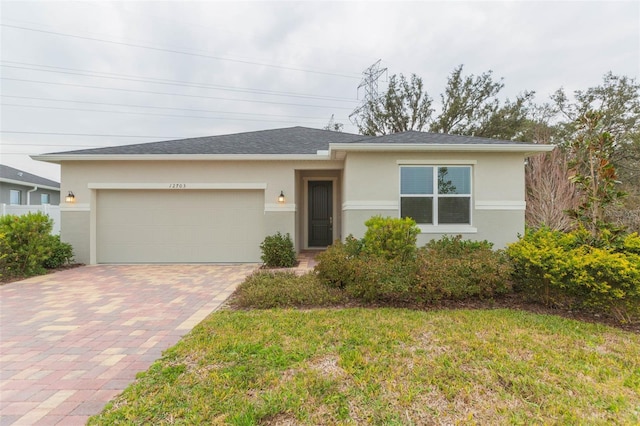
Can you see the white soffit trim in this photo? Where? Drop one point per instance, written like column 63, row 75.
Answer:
column 370, row 205
column 177, row 185
column 500, row 205
column 527, row 149
column 55, row 158
column 276, row 207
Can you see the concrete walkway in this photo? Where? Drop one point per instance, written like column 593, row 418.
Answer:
column 71, row 341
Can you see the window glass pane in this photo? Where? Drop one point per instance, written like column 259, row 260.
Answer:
column 454, row 210
column 44, row 198
column 416, row 180
column 14, row 197
column 419, row 209
column 454, row 180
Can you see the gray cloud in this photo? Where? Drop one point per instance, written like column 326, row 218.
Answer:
column 537, row 46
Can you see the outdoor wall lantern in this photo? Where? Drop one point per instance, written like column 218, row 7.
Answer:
column 281, row 198
column 70, row 198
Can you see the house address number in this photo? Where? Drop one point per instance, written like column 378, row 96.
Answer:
column 177, row 185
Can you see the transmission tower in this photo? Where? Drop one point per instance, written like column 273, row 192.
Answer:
column 369, row 81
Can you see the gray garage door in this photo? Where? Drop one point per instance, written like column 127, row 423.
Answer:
column 190, row 226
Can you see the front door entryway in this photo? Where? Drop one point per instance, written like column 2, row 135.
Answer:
column 320, row 213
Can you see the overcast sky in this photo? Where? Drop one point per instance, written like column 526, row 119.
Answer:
column 92, row 74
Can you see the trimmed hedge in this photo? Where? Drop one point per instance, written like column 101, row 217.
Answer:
column 386, row 266
column 456, row 269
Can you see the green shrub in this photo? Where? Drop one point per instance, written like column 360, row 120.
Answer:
column 278, row 251
column 265, row 290
column 61, row 253
column 377, row 279
column 391, row 238
column 631, row 243
column 456, row 269
column 27, row 240
column 569, row 269
column 4, row 251
column 336, row 265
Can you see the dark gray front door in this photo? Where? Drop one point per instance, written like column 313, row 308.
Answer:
column 320, row 213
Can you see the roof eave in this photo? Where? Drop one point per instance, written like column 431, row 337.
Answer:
column 23, row 183
column 526, row 149
column 58, row 158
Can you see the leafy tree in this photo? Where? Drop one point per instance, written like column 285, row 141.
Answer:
column 405, row 106
column 466, row 102
column 593, row 172
column 617, row 101
column 470, row 107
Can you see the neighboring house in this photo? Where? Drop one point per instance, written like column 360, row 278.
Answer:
column 214, row 199
column 18, row 187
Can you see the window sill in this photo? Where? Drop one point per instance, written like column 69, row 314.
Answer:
column 448, row 229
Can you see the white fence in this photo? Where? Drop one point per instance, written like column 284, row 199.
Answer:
column 52, row 211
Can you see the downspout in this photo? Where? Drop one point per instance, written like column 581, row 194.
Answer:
column 35, row 188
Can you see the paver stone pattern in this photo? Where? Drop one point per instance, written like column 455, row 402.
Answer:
column 71, row 341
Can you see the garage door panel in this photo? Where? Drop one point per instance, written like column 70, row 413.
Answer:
column 156, row 226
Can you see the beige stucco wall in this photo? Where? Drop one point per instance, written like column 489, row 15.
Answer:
column 74, row 229
column 276, row 175
column 366, row 184
column 371, row 187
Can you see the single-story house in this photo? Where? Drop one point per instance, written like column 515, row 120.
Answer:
column 20, row 188
column 214, row 199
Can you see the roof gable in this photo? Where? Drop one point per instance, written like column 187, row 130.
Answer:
column 10, row 174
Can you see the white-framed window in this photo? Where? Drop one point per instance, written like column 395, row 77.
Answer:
column 15, row 196
column 436, row 195
column 45, row 199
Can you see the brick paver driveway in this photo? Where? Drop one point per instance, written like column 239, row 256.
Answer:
column 71, row 341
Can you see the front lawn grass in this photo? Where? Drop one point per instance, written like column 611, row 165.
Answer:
column 388, row 366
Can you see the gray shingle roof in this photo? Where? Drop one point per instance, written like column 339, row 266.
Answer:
column 10, row 173
column 292, row 140
column 413, row 137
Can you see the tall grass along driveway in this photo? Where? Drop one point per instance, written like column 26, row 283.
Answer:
column 389, row 366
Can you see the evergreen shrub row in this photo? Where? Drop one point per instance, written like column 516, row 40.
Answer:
column 575, row 269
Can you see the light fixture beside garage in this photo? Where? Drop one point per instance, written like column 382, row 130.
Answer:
column 281, row 198
column 70, row 198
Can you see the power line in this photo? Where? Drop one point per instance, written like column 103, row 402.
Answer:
column 157, row 107
column 91, row 135
column 170, row 94
column 45, row 145
column 159, row 49
column 151, row 114
column 125, row 77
